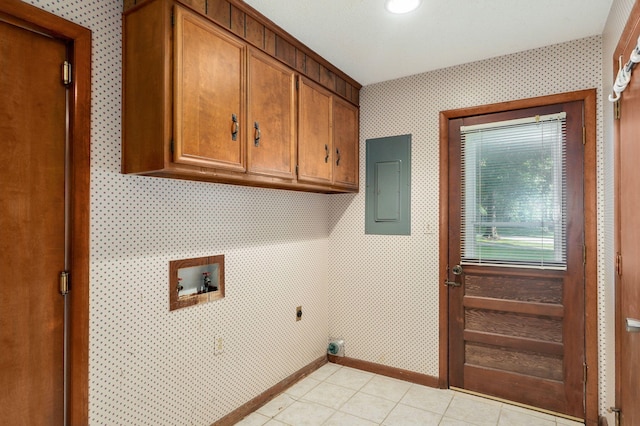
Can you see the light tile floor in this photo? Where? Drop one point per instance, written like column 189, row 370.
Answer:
column 335, row 395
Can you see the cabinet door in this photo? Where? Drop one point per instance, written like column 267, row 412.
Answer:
column 208, row 90
column 345, row 144
column 314, row 133
column 271, row 124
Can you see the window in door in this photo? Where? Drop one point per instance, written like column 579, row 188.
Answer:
column 514, row 192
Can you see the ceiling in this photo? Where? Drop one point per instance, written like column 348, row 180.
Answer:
column 371, row 45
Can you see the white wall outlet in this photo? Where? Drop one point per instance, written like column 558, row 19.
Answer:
column 218, row 345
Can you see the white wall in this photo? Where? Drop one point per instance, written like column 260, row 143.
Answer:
column 383, row 291
column 151, row 366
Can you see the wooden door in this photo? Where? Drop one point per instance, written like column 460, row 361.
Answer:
column 517, row 330
column 209, row 94
column 627, row 231
column 628, row 279
column 315, row 147
column 271, row 112
column 346, row 142
column 32, row 219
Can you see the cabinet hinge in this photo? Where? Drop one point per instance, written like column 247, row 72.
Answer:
column 64, row 283
column 584, row 136
column 66, row 73
column 296, row 170
column 297, row 83
column 173, row 19
column 619, row 264
column 171, row 146
column 617, row 110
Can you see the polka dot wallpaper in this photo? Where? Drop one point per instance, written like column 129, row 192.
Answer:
column 383, row 290
column 150, row 366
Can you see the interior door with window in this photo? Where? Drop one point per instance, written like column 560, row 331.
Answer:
column 516, row 256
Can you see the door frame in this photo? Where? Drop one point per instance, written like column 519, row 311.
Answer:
column 78, row 39
column 590, row 232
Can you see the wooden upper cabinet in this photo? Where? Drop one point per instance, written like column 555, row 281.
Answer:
column 202, row 102
column 328, row 138
column 315, row 147
column 346, row 136
column 208, row 90
column 271, row 113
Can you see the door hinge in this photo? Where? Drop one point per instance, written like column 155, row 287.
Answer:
column 584, row 136
column 66, row 73
column 617, row 110
column 618, row 413
column 584, row 386
column 64, row 283
column 619, row 264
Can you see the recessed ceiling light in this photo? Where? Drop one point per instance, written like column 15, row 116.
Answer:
column 401, row 6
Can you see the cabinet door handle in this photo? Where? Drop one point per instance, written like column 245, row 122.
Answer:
column 326, row 150
column 337, row 157
column 235, row 126
column 256, row 137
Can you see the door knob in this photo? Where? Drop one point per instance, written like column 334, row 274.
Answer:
column 633, row 325
column 457, row 270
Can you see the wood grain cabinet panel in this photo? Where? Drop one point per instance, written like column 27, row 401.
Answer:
column 315, row 139
column 346, row 134
column 328, row 140
column 202, row 103
column 272, row 117
column 208, row 88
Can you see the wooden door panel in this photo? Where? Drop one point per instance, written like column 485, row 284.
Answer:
column 209, row 90
column 627, row 237
column 508, row 324
column 533, row 391
column 517, row 332
column 515, row 287
column 524, row 317
column 315, row 146
column 32, row 247
column 536, row 364
column 271, row 124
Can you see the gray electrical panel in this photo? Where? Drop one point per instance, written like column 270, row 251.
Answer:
column 388, row 192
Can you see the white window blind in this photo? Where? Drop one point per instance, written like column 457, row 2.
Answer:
column 513, row 184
